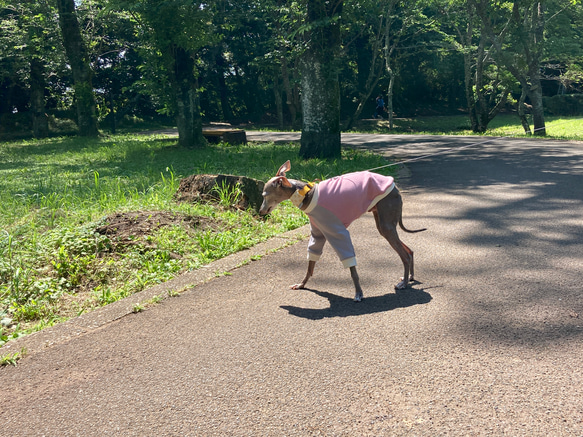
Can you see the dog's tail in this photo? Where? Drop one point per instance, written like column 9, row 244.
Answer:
column 407, row 230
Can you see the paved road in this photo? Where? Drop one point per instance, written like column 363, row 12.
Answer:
column 489, row 342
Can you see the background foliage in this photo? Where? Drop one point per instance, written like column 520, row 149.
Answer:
column 246, row 58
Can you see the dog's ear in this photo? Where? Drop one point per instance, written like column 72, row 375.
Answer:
column 285, row 167
column 282, row 181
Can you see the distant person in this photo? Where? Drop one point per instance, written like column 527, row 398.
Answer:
column 380, row 107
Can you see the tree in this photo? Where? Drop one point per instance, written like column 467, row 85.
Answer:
column 282, row 57
column 403, row 21
column 79, row 62
column 486, row 85
column 178, row 30
column 320, row 88
column 563, row 49
column 113, row 46
column 29, row 49
column 519, row 44
column 37, row 81
column 385, row 26
column 265, row 60
column 365, row 38
column 241, row 80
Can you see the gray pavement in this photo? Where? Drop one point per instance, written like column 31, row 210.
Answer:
column 488, row 342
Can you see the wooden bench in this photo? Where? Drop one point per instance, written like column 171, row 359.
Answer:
column 231, row 136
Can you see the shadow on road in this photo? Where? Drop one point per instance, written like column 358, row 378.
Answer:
column 345, row 307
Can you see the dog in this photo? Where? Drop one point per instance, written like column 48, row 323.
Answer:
column 332, row 205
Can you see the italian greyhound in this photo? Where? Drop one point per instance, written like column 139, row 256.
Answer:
column 332, row 205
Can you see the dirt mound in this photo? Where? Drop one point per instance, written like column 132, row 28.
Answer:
column 134, row 226
column 239, row 191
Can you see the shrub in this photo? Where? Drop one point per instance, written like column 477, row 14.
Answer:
column 564, row 104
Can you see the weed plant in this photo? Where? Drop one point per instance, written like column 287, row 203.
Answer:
column 56, row 194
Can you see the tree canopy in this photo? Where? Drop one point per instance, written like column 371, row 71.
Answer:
column 261, row 61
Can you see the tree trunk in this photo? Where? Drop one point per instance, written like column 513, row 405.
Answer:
column 222, row 85
column 111, row 102
column 278, row 101
column 536, row 99
column 290, row 96
column 225, row 105
column 185, row 89
column 390, row 72
column 38, row 83
column 536, row 91
column 529, row 30
column 469, row 85
column 521, row 114
column 79, row 62
column 320, row 88
column 481, row 106
column 363, row 98
column 321, row 111
column 465, row 46
column 480, row 90
column 488, row 105
column 389, row 49
column 389, row 105
column 40, row 121
column 366, row 87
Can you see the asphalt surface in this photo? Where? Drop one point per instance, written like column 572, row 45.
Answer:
column 487, row 342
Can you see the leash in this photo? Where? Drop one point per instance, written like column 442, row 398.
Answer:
column 467, row 146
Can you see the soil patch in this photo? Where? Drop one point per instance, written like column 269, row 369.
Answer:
column 129, row 227
column 126, row 231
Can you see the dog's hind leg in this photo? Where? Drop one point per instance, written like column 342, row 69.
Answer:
column 387, row 214
column 411, row 263
column 406, row 256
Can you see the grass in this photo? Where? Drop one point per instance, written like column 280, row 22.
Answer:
column 58, row 195
column 566, row 128
column 12, row 359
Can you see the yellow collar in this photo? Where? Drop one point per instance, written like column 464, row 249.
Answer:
column 298, row 197
column 306, row 189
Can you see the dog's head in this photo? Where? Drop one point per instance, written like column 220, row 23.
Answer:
column 276, row 190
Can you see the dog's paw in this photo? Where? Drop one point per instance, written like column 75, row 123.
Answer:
column 402, row 285
column 297, row 286
column 358, row 297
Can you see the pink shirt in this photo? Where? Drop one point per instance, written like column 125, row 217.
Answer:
column 351, row 195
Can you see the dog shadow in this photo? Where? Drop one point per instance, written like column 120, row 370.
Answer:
column 346, row 307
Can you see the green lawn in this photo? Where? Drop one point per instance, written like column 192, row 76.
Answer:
column 568, row 128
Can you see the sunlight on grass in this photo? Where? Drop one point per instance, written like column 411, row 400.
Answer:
column 504, row 125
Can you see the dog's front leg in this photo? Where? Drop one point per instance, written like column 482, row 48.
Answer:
column 356, row 280
column 309, row 274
